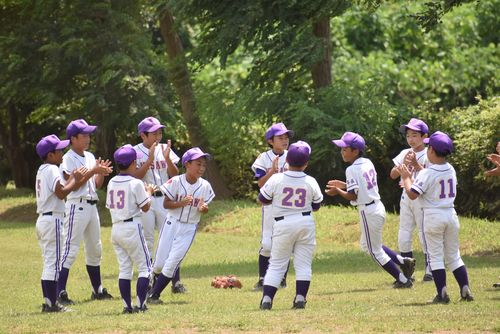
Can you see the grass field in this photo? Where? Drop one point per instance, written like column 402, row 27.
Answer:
column 348, row 293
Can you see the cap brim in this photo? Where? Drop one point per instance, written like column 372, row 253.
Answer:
column 154, row 128
column 88, row 129
column 62, row 144
column 197, row 156
column 339, row 143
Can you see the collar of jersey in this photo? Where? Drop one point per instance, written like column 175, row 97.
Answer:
column 294, row 173
column 358, row 161
column 440, row 167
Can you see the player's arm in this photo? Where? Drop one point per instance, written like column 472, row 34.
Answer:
column 170, row 204
column 407, row 181
column 348, row 195
column 394, row 173
column 149, row 191
column 172, row 169
column 411, row 160
column 273, row 170
column 102, row 168
column 61, row 191
column 140, row 172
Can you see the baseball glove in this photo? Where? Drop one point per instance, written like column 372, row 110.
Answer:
column 229, row 281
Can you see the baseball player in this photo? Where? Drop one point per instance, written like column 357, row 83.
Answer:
column 436, row 189
column 293, row 195
column 156, row 165
column 81, row 217
column 410, row 215
column 361, row 189
column 126, row 197
column 266, row 165
column 495, row 159
column 186, row 197
column 50, row 194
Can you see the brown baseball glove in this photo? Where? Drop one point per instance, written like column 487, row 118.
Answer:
column 229, row 281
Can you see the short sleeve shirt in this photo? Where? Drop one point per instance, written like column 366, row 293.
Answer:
column 126, row 196
column 157, row 173
column 47, row 178
column 361, row 178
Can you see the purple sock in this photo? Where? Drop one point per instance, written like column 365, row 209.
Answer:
column 142, row 289
column 392, row 269
column 392, row 254
column 439, row 280
column 51, row 291
column 62, row 280
column 161, row 283
column 177, row 276
column 124, row 285
column 406, row 254
column 269, row 291
column 461, row 277
column 44, row 289
column 263, row 265
column 95, row 277
column 302, row 287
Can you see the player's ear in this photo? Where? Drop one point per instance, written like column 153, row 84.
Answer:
column 271, row 141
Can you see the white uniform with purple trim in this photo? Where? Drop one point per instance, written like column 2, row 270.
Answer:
column 410, row 214
column 157, row 174
column 437, row 189
column 292, row 194
column 81, row 218
column 260, row 167
column 361, row 178
column 179, row 229
column 49, row 223
column 125, row 198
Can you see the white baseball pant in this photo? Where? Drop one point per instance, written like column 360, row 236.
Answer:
column 48, row 232
column 410, row 216
column 267, row 230
column 371, row 224
column 153, row 219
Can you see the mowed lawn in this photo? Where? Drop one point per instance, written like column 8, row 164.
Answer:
column 349, row 292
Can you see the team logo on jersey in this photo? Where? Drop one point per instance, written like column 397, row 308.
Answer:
column 169, row 181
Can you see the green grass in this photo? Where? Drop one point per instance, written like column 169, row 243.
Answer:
column 349, row 293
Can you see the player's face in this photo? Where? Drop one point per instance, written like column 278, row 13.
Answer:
column 150, row 138
column 348, row 154
column 279, row 143
column 81, row 141
column 55, row 157
column 196, row 168
column 414, row 139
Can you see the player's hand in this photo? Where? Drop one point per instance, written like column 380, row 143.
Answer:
column 150, row 188
column 410, row 160
column 79, row 173
column 331, row 190
column 151, row 153
column 404, row 171
column 336, row 183
column 188, row 200
column 203, row 207
column 274, row 167
column 495, row 158
column 165, row 149
column 102, row 167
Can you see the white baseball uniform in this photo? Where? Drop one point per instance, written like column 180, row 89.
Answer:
column 410, row 214
column 361, row 178
column 81, row 218
column 125, row 198
column 49, row 223
column 437, row 188
column 293, row 194
column 179, row 230
column 260, row 167
column 157, row 174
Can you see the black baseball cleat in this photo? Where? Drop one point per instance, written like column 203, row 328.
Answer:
column 154, row 299
column 299, row 304
column 400, row 285
column 101, row 296
column 54, row 308
column 467, row 296
column 441, row 299
column 259, row 285
column 408, row 267
column 428, row 278
column 63, row 298
column 142, row 309
column 266, row 306
column 283, row 283
column 496, row 285
column 128, row 310
column 178, row 287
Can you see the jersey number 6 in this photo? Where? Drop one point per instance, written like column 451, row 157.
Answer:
column 289, row 192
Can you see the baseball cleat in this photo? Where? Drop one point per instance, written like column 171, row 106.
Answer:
column 283, row 283
column 299, row 304
column 496, row 285
column 266, row 306
column 466, row 296
column 154, row 299
column 441, row 299
column 101, row 296
column 408, row 267
column 128, row 310
column 259, row 285
column 64, row 299
column 142, row 309
column 54, row 308
column 428, row 278
column 400, row 285
column 178, row 287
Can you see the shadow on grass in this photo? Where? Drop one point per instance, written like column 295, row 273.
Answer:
column 20, row 213
column 16, row 225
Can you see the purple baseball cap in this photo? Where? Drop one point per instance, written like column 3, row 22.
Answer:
column 440, row 142
column 79, row 126
column 416, row 125
column 125, row 155
column 298, row 153
column 149, row 124
column 193, row 154
column 49, row 144
column 350, row 139
column 278, row 129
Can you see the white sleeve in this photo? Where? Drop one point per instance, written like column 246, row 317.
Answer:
column 67, row 165
column 55, row 177
column 268, row 189
column 317, row 194
column 259, row 163
column 209, row 193
column 174, row 157
column 421, row 183
column 169, row 188
column 398, row 160
column 141, row 196
column 351, row 180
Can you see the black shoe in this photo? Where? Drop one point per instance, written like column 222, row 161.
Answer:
column 400, row 285
column 441, row 299
column 468, row 297
column 283, row 283
column 428, row 278
column 299, row 305
column 496, row 285
column 178, row 287
column 101, row 296
column 154, row 299
column 259, row 285
column 408, row 267
column 128, row 310
column 63, row 298
column 54, row 308
column 142, row 309
column 266, row 306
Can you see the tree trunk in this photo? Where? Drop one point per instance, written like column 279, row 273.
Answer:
column 322, row 70
column 182, row 84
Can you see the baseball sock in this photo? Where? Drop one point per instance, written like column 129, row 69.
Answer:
column 407, row 254
column 62, row 280
column 393, row 270
column 51, row 290
column 439, row 280
column 124, row 285
column 263, row 265
column 177, row 276
column 302, row 287
column 393, row 255
column 462, row 278
column 142, row 290
column 95, row 277
column 269, row 291
column 161, row 283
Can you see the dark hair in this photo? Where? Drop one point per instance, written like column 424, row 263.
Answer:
column 123, row 167
column 441, row 154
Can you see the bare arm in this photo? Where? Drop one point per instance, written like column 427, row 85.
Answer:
column 172, row 169
column 407, row 181
column 61, row 191
column 140, row 172
column 169, row 204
